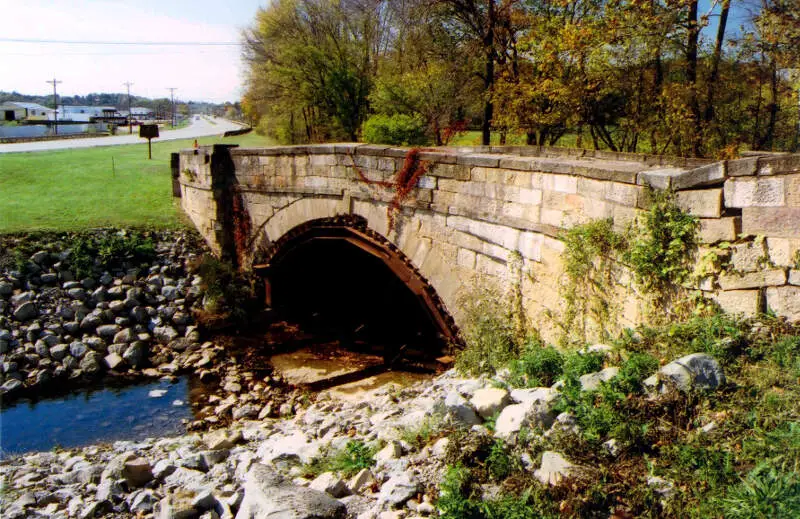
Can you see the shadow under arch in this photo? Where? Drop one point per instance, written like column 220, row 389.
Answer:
column 341, row 262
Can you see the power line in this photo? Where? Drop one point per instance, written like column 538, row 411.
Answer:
column 87, row 42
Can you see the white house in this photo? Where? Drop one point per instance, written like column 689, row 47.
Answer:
column 22, row 111
column 85, row 114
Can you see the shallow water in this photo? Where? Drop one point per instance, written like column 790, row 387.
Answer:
column 91, row 416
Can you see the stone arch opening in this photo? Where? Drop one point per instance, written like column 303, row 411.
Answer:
column 337, row 276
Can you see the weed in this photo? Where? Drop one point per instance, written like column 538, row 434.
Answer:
column 764, row 493
column 661, row 251
column 454, row 502
column 108, row 251
column 355, row 455
column 227, row 292
column 538, row 365
column 580, row 363
column 498, row 463
column 488, row 331
column 590, row 252
column 422, row 434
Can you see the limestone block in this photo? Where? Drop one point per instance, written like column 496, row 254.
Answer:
column 322, row 160
column 501, row 235
column 624, row 217
column 780, row 222
column 705, row 203
column 710, row 174
column 623, row 194
column 466, row 258
column 775, row 165
column 794, row 277
column 785, row 301
column 758, row 279
column 564, row 184
column 487, row 265
column 742, row 167
column 745, row 302
column 759, row 192
column 783, row 252
column 591, row 188
column 426, row 182
column 597, row 209
column 487, row 161
column 748, row 257
column 453, row 171
column 527, row 213
column 713, row 230
column 530, row 245
column 658, row 178
column 793, row 190
column 552, row 217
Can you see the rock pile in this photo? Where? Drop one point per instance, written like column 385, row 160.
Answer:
column 54, row 327
column 263, row 468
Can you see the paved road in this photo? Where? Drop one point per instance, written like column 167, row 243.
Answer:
column 201, row 128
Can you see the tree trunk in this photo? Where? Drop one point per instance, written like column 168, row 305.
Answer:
column 693, row 34
column 488, row 80
column 769, row 135
column 713, row 77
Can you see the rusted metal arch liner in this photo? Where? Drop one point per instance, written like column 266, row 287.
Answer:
column 354, row 229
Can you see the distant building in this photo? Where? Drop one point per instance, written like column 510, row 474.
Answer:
column 140, row 113
column 21, row 111
column 86, row 114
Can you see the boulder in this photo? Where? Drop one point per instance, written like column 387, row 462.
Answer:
column 695, row 371
column 490, row 401
column 268, row 496
column 137, row 472
column 513, row 418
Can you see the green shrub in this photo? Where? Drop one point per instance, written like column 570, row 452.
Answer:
column 660, row 253
column 538, row 365
column 397, row 129
column 356, row 455
column 580, row 363
column 109, row 251
column 454, row 502
column 488, row 332
column 765, row 493
column 498, row 463
column 633, row 371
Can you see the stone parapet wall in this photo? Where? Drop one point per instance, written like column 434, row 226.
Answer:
column 497, row 213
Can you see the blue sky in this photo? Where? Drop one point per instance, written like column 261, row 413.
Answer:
column 199, row 73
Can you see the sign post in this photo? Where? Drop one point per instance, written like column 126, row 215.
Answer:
column 148, row 131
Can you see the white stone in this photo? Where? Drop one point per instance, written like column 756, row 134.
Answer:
column 489, row 401
column 554, row 469
column 592, row 381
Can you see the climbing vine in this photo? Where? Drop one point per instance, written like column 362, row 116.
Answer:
column 241, row 228
column 590, row 264
column 661, row 253
column 404, row 182
column 658, row 250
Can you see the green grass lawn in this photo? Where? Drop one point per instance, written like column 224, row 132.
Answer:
column 72, row 190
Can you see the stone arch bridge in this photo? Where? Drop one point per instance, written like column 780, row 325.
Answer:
column 492, row 216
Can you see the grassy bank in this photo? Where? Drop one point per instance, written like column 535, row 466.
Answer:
column 72, row 190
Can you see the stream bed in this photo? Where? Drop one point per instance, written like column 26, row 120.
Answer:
column 88, row 416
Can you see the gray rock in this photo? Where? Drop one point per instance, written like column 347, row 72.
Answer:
column 108, row 331
column 125, row 336
column 91, row 363
column 91, row 321
column 267, row 496
column 179, row 505
column 136, row 354
column 592, row 381
column 142, row 502
column 59, row 351
column 78, row 349
column 110, row 490
column 165, row 334
column 695, row 371
column 77, row 293
column 399, row 489
column 364, row 479
column 11, row 386
column 331, row 484
column 137, row 472
column 25, row 312
column 459, row 410
column 534, row 413
column 6, row 289
column 49, row 278
column 114, row 361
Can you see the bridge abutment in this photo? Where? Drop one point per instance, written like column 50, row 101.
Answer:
column 497, row 214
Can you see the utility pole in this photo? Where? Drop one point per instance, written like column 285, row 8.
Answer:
column 130, row 115
column 55, row 103
column 172, row 96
